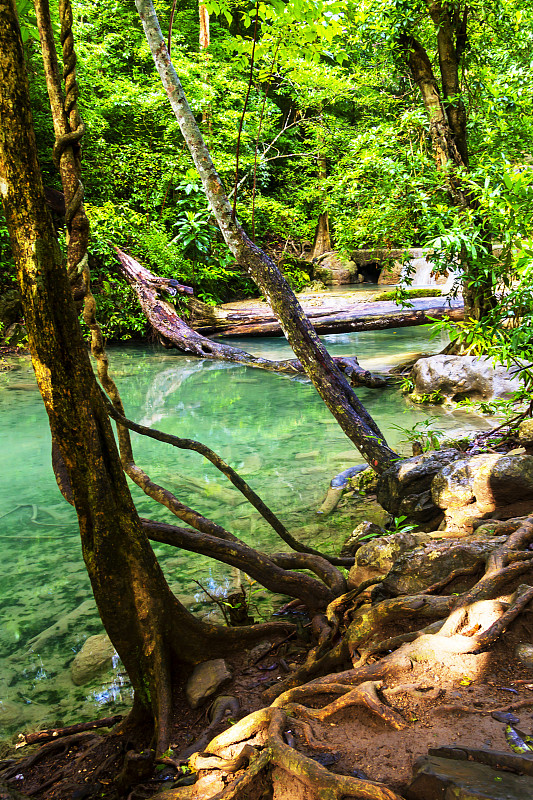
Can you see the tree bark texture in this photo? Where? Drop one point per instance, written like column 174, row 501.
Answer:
column 332, row 386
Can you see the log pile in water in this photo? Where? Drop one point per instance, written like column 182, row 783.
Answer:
column 329, row 313
column 174, row 332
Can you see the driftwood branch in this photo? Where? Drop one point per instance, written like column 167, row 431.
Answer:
column 234, row 477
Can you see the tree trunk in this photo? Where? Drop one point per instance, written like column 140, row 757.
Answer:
column 322, row 241
column 332, row 386
column 448, row 131
column 344, row 322
column 148, row 626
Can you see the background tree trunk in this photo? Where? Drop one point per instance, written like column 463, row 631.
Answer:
column 447, row 128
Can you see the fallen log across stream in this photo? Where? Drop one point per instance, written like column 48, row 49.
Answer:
column 174, row 332
column 342, row 313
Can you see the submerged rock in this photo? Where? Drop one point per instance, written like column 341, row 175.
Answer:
column 205, row 680
column 95, row 657
column 439, row 778
column 460, row 377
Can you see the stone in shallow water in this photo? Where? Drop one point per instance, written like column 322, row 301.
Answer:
column 457, row 377
column 95, row 656
column 205, row 680
column 447, row 779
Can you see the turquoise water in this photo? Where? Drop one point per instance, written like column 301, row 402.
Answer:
column 274, row 430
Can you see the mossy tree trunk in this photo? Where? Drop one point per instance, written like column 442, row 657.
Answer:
column 151, row 630
column 448, row 126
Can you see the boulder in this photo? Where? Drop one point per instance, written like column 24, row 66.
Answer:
column 525, row 432
column 95, row 657
column 438, row 778
column 376, row 557
column 416, row 569
column 405, row 488
column 460, row 377
column 205, row 680
column 335, row 270
column 480, row 484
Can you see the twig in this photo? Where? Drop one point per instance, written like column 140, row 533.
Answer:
column 214, row 600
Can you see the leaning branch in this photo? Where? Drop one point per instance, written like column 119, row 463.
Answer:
column 327, row 379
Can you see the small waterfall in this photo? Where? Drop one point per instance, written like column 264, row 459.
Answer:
column 420, row 273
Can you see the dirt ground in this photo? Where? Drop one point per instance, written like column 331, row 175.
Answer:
column 446, row 703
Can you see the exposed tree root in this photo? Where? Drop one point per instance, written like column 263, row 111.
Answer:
column 55, row 746
column 273, row 760
column 365, row 694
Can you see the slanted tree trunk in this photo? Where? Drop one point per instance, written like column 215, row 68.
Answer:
column 151, row 630
column 447, row 126
column 316, row 361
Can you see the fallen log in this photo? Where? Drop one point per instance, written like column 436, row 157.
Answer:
column 57, row 733
column 174, row 332
column 356, row 320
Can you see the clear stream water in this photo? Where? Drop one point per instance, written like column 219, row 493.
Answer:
column 276, row 431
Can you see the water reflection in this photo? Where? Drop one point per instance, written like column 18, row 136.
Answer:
column 273, row 429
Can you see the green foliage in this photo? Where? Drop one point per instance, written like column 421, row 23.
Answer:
column 339, row 95
column 422, row 433
column 27, row 20
column 396, row 525
column 431, row 399
column 409, row 294
column 294, row 271
column 7, row 267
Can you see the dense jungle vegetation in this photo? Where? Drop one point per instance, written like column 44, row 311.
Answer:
column 327, row 118
column 408, row 125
